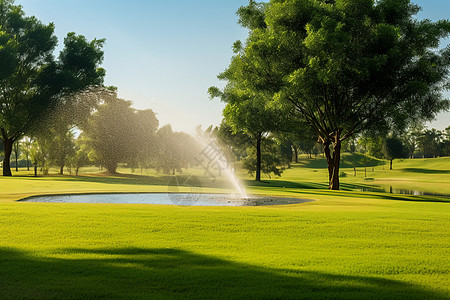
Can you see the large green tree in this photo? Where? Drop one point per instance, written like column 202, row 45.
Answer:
column 110, row 132
column 345, row 66
column 32, row 81
column 118, row 133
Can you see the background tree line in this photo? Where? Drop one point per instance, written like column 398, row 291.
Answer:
column 281, row 149
column 114, row 133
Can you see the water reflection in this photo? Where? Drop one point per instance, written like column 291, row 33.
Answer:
column 395, row 190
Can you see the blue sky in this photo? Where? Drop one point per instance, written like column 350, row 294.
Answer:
column 165, row 54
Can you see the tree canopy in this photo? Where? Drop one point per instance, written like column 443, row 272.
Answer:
column 31, row 79
column 342, row 66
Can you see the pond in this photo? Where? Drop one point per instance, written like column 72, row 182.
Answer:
column 168, row 199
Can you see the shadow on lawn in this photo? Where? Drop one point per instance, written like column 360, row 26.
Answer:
column 171, row 273
column 284, row 184
column 425, row 171
column 133, row 179
column 347, row 190
column 347, row 161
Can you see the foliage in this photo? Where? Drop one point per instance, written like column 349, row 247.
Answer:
column 146, row 125
column 26, row 150
column 110, row 132
column 429, row 142
column 175, row 150
column 39, row 156
column 343, row 67
column 235, row 142
column 79, row 157
column 270, row 159
column 393, row 148
column 31, row 80
column 371, row 145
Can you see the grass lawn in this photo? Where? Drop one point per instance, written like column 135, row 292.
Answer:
column 345, row 244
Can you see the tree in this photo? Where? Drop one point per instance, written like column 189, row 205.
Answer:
column 39, row 157
column 269, row 159
column 393, row 148
column 146, row 125
column 235, row 142
column 346, row 66
column 176, row 150
column 16, row 149
column 411, row 138
column 110, row 133
column 26, row 148
column 428, row 141
column 32, row 81
column 285, row 147
column 61, row 145
column 447, row 141
column 246, row 109
column 79, row 158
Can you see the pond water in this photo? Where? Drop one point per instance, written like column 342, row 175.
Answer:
column 402, row 191
column 169, row 199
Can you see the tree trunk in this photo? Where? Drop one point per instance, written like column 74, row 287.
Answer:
column 111, row 168
column 16, row 152
column 327, row 153
column 28, row 164
column 333, row 161
column 296, row 154
column 390, row 166
column 61, row 169
column 7, row 160
column 258, row 157
column 334, row 182
column 35, row 169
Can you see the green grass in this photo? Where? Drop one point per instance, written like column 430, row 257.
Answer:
column 345, row 244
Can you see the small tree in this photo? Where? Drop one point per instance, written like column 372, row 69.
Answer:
column 270, row 161
column 39, row 157
column 175, row 150
column 145, row 138
column 393, row 148
column 26, row 148
column 16, row 148
column 80, row 156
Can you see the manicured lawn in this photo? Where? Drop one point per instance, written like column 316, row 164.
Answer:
column 345, row 244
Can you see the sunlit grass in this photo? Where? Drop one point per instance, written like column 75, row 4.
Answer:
column 343, row 245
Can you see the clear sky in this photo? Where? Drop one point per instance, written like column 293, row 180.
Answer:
column 165, row 54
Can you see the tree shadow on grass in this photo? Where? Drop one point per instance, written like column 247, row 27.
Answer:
column 425, row 171
column 133, row 179
column 284, row 184
column 377, row 195
column 360, row 190
column 145, row 273
column 348, row 160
